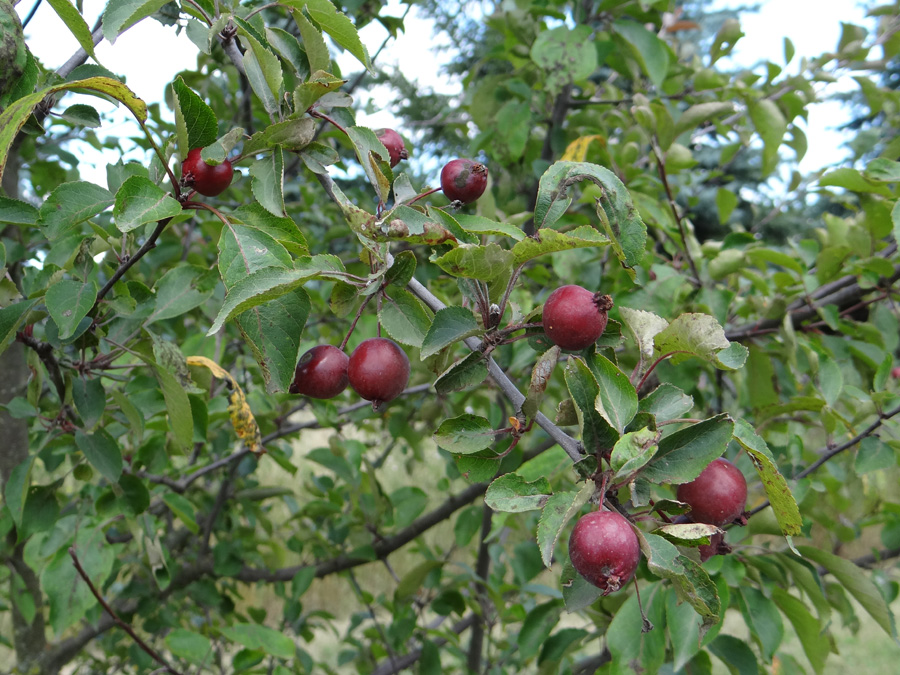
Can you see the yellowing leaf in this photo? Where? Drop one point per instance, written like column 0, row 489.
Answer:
column 577, row 150
column 242, row 419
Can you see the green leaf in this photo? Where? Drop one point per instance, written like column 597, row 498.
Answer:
column 597, row 434
column 858, row 583
column 183, row 510
column 566, row 55
column 469, row 371
column 256, row 636
column 90, row 399
column 374, row 158
column 540, row 377
column 263, row 71
column 690, row 581
column 12, row 318
column 771, row 126
column 140, row 201
column 244, row 250
column 68, row 594
column 806, row 626
column 404, row 318
column 267, row 182
column 736, row 654
column 315, row 88
column 480, row 225
column 551, row 241
column 411, row 583
column 699, row 335
column 557, row 512
column 68, row 302
column 853, row 180
column 777, row 490
column 652, row 53
column 337, row 25
column 401, row 270
column 701, row 112
column 618, row 214
column 687, row 534
column 71, row 204
column 617, row 400
column 465, row 434
column 178, row 406
column 189, row 645
column 269, row 283
column 15, row 212
column 512, row 493
column 16, row 489
column 178, row 291
column 293, row 135
column 685, row 453
column 874, row 455
column 283, row 229
column 627, row 641
column 450, row 324
column 666, row 402
column 314, row 44
column 274, row 332
column 485, row 263
column 536, row 628
column 763, row 619
column 18, row 112
column 120, row 15
column 726, row 201
column 633, row 451
column 195, row 122
column 682, row 626
column 76, row 23
column 578, row 592
column 644, row 326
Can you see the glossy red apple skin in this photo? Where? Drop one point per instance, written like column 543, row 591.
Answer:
column 321, row 373
column 378, row 370
column 574, row 317
column 717, row 496
column 395, row 146
column 205, row 179
column 463, row 180
column 604, row 550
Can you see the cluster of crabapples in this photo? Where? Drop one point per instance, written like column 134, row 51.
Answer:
column 604, row 548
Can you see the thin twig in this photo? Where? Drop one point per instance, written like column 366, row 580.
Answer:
column 115, row 617
column 661, row 169
column 140, row 253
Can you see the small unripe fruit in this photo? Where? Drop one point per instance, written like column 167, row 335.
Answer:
column 321, row 373
column 574, row 317
column 717, row 496
column 604, row 550
column 378, row 370
column 394, row 144
column 205, row 179
column 463, row 180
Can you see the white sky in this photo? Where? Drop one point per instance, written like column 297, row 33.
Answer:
column 150, row 54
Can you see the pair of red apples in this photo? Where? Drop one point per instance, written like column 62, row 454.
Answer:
column 462, row 180
column 604, row 548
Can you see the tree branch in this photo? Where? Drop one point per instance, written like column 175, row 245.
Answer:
column 398, row 664
column 115, row 617
column 128, row 264
column 842, row 292
column 829, row 453
column 572, row 447
column 482, row 568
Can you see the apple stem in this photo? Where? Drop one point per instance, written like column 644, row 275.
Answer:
column 323, row 116
column 656, row 363
column 355, row 321
column 162, row 158
column 423, row 194
column 646, row 626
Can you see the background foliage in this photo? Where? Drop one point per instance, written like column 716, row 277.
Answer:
column 149, row 338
